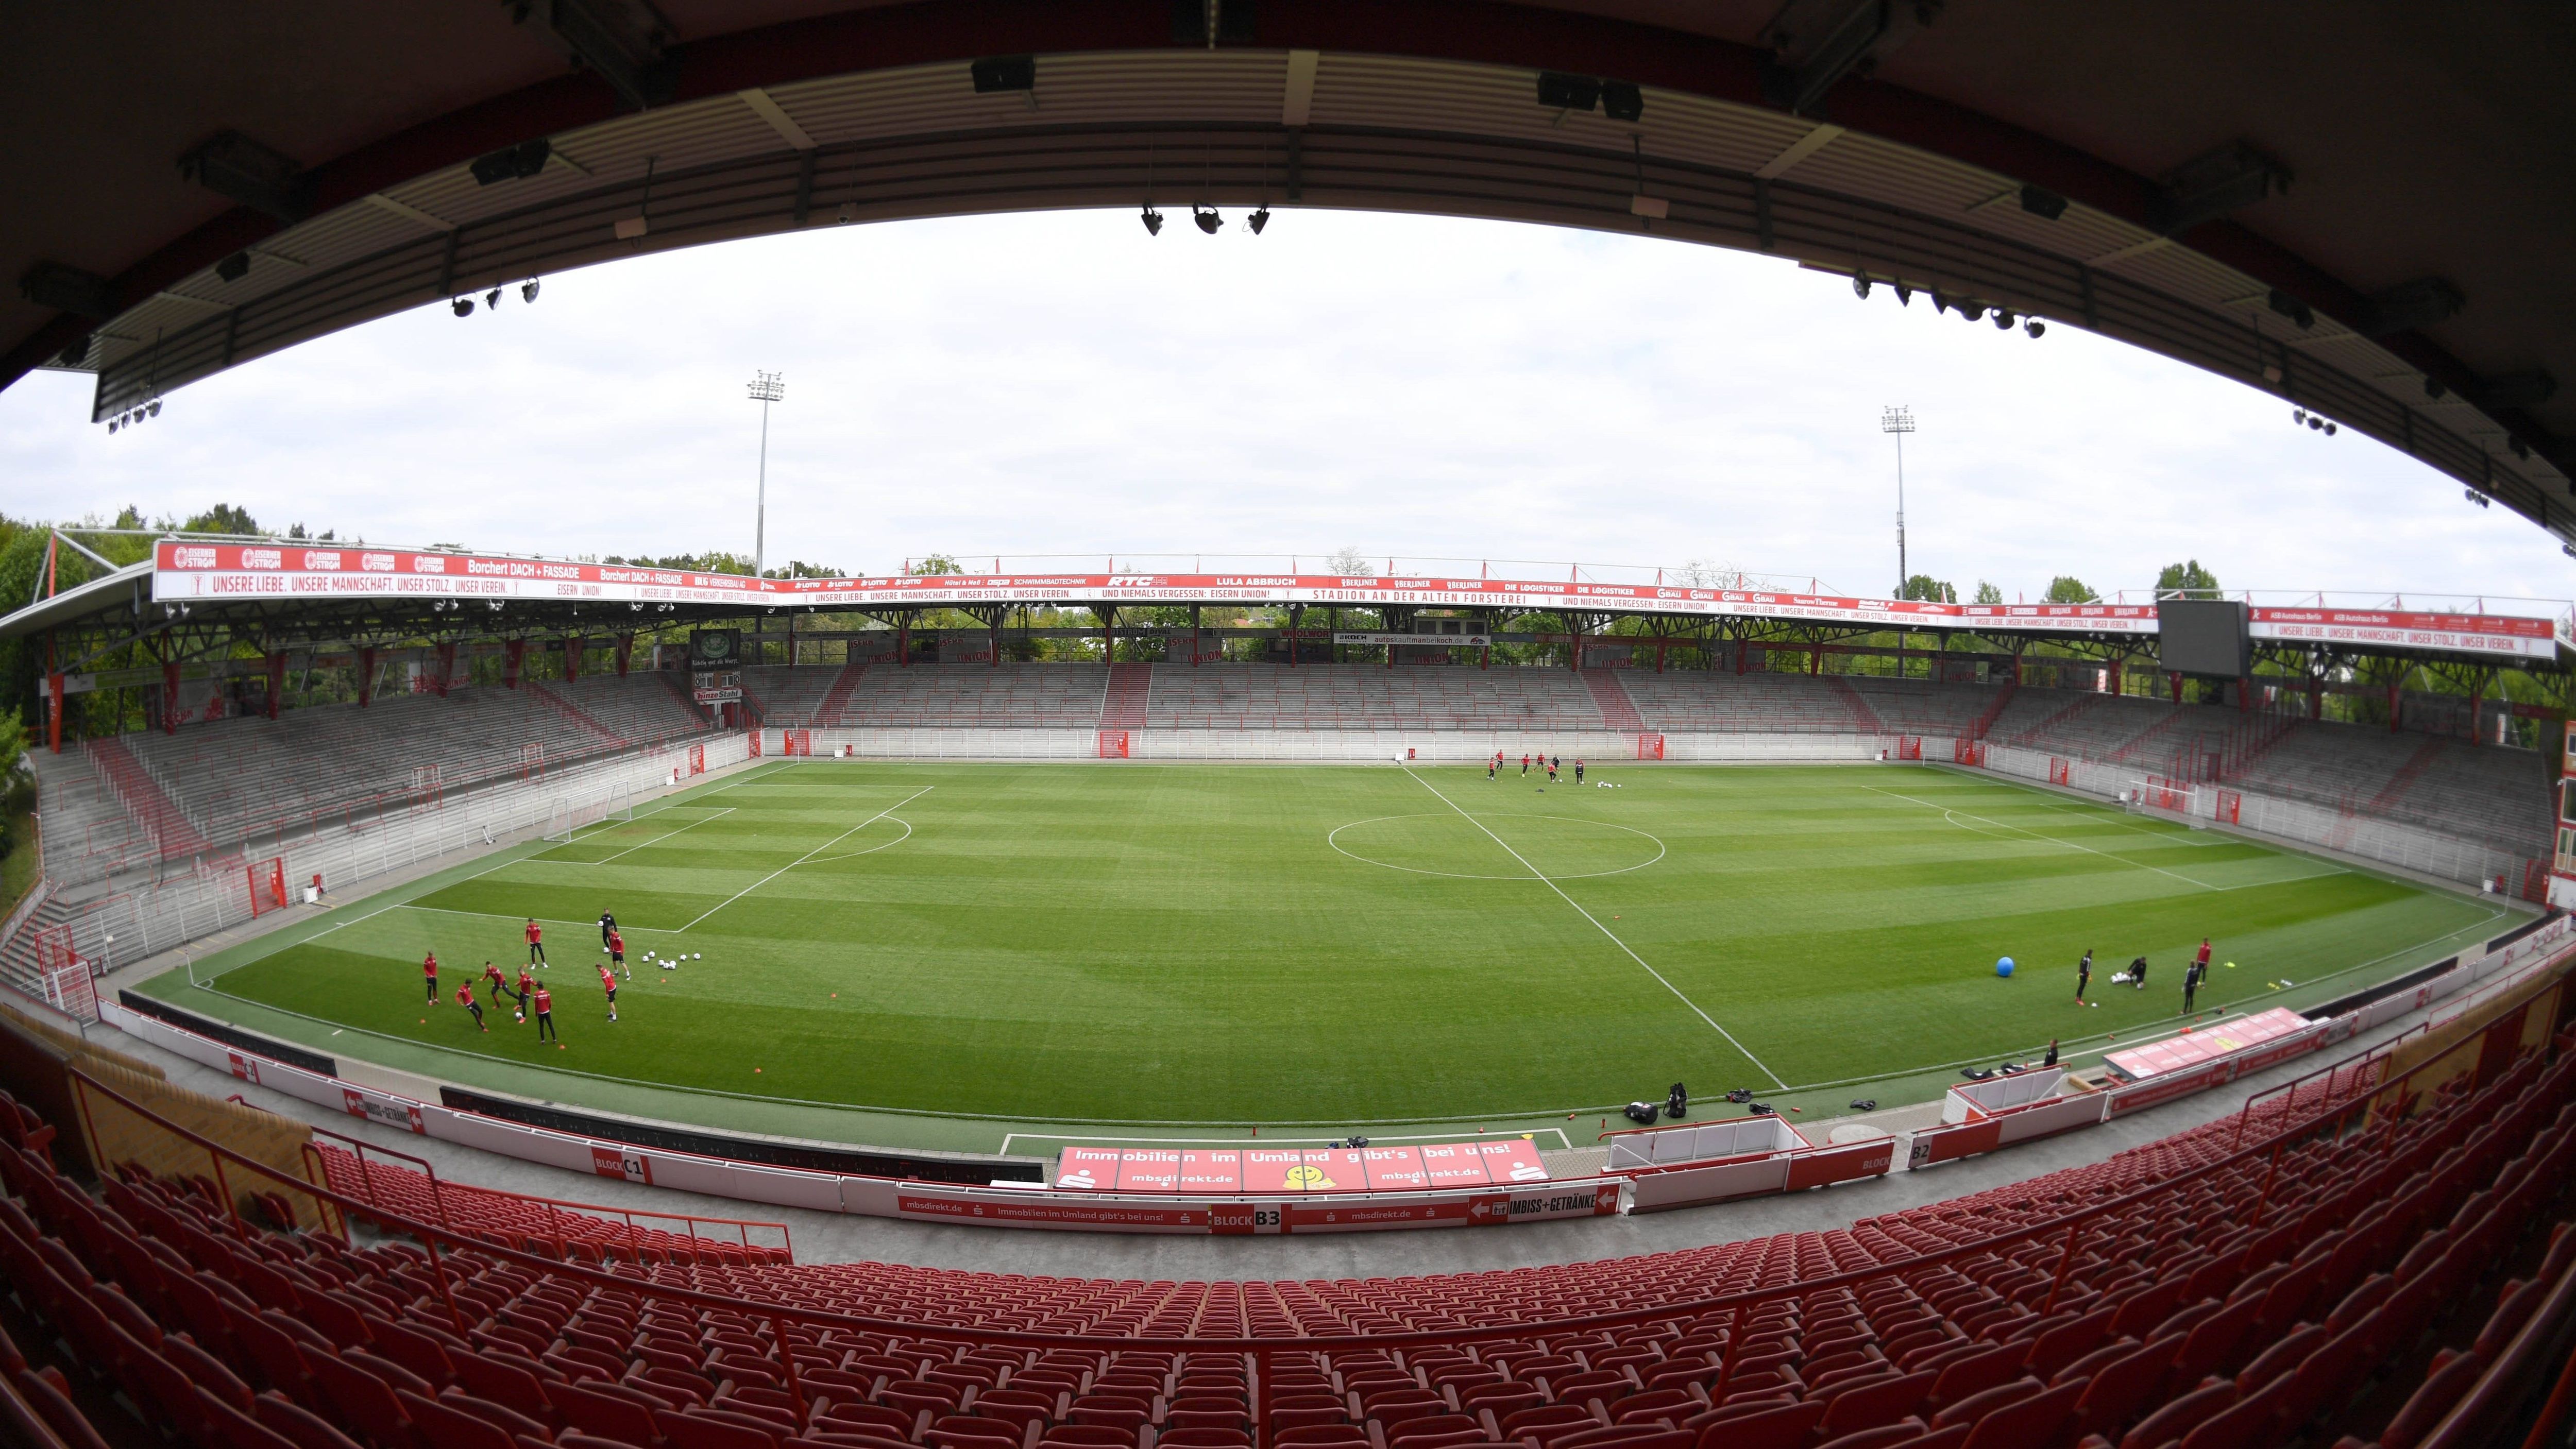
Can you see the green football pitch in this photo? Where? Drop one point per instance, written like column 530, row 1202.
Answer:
column 1331, row 945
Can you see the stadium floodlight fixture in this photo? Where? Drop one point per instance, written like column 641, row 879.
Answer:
column 492, row 300
column 1973, row 311
column 462, row 306
column 1904, row 295
column 766, row 388
column 1208, row 218
column 1153, row 220
column 1860, row 285
column 1258, row 219
column 528, row 290
column 1897, row 422
column 2034, row 327
column 2003, row 319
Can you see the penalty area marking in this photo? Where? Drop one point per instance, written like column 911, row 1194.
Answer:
column 1604, row 930
column 1952, row 817
column 721, row 812
column 871, row 850
column 809, row 855
column 1331, row 840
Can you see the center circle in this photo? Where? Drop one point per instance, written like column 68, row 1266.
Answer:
column 1446, row 843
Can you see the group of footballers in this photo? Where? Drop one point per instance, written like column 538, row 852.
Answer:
column 1549, row 763
column 2194, row 974
column 529, row 994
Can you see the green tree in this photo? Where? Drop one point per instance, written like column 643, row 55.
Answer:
column 222, row 518
column 937, row 563
column 2068, row 589
column 1923, row 588
column 2186, row 577
column 1988, row 594
column 1347, row 561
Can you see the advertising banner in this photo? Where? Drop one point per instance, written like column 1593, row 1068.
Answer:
column 1296, row 1171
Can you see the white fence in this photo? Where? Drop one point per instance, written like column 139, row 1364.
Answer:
column 1594, row 747
column 120, row 929
column 2407, row 847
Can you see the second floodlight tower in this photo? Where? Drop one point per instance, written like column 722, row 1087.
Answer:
column 766, row 388
column 1898, row 422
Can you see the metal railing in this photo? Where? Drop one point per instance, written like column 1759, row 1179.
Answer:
column 1262, row 1349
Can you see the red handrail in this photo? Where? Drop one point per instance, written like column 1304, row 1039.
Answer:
column 743, row 1226
column 1740, row 1300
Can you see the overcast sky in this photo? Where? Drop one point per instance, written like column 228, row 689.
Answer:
column 1066, row 384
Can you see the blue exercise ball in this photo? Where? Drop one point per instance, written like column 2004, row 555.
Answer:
column 2003, row 966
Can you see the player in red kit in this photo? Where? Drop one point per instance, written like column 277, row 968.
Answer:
column 429, row 973
column 545, row 1014
column 536, row 943
column 617, row 952
column 465, row 998
column 608, row 983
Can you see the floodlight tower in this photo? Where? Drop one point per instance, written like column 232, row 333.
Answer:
column 1898, row 422
column 766, row 388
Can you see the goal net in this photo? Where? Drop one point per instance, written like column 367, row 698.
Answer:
column 2163, row 799
column 567, row 819
column 69, row 985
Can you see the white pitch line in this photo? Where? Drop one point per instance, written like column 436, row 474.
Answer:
column 656, row 840
column 1946, row 811
column 1604, row 930
column 809, row 855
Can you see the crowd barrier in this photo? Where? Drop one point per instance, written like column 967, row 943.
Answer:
column 2407, row 847
column 1649, row 1171
column 1980, row 1117
column 119, row 929
column 1601, row 748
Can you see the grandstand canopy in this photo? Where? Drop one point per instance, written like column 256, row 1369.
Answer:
column 206, row 593
column 2366, row 213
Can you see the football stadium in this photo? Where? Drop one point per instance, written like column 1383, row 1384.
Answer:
column 526, row 1000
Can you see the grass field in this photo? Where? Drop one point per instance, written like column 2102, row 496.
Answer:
column 1341, row 945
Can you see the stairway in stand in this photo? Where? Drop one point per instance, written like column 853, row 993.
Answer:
column 1994, row 711
column 834, row 711
column 173, row 833
column 2406, row 776
column 1618, row 711
column 573, row 712
column 1862, row 715
column 1122, row 704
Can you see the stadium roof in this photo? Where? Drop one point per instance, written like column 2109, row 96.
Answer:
column 210, row 592
column 2366, row 212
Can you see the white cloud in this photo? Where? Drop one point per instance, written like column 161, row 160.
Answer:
column 1065, row 384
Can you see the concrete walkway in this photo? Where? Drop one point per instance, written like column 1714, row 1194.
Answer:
column 836, row 1238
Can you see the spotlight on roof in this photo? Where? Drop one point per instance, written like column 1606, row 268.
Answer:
column 528, row 290
column 2034, row 327
column 2330, row 430
column 2298, row 416
column 1207, row 218
column 233, row 268
column 155, row 408
column 1904, row 295
column 2433, row 388
column 1860, row 285
column 2474, row 496
column 1973, row 311
column 1153, row 220
column 2315, row 423
column 2003, row 319
column 462, row 306
column 1940, row 303
column 1258, row 220
column 492, row 300
column 114, row 423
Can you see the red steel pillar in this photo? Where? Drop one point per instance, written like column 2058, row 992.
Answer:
column 276, row 682
column 625, row 651
column 514, row 652
column 366, row 677
column 572, row 657
column 169, row 696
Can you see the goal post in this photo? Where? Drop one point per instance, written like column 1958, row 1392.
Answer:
column 2162, row 799
column 566, row 819
column 69, row 985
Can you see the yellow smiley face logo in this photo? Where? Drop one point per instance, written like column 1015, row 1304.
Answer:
column 1308, row 1177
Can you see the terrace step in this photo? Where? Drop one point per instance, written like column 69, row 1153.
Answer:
column 1618, row 710
column 1122, row 704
